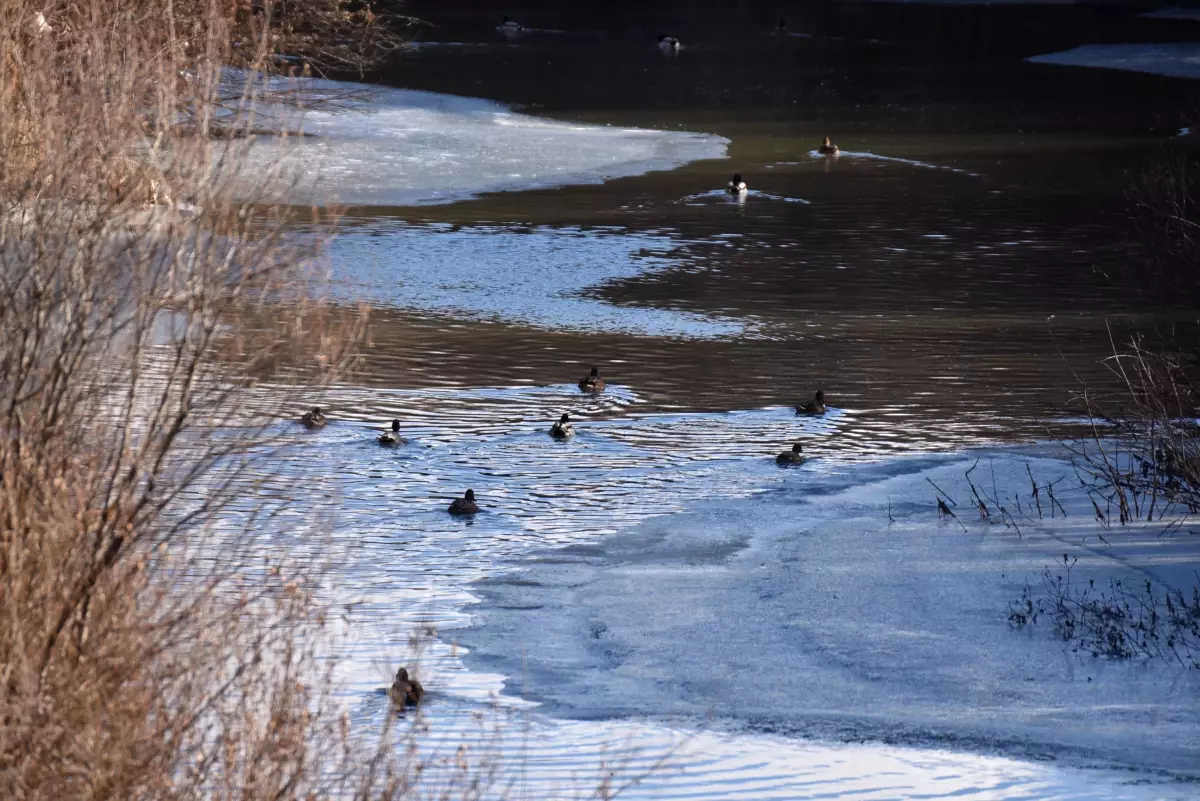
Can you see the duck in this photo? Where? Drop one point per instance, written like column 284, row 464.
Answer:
column 390, row 438
column 737, row 186
column 406, row 691
column 510, row 27
column 828, row 148
column 669, row 45
column 314, row 418
column 593, row 382
column 815, row 406
column 781, row 29
column 563, row 428
column 794, row 456
column 465, row 505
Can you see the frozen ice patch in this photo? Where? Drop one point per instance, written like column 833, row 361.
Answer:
column 1175, row 60
column 533, row 276
column 843, row 608
column 400, row 147
column 1174, row 12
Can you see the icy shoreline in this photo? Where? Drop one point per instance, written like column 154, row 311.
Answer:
column 398, row 147
column 806, row 613
column 1174, row 60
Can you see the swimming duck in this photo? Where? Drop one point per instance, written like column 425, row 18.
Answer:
column 563, row 428
column 828, row 148
column 669, row 45
column 794, row 456
column 781, row 29
column 465, row 505
column 592, row 383
column 815, row 406
column 405, row 691
column 737, row 186
column 389, row 438
column 313, row 418
column 510, row 28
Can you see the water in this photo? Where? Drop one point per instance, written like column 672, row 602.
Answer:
column 946, row 281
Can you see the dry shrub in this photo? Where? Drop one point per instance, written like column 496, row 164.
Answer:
column 149, row 647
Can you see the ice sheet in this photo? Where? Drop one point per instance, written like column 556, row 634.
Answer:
column 1178, row 59
column 401, row 147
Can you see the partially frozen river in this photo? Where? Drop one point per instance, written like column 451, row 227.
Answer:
column 656, row 588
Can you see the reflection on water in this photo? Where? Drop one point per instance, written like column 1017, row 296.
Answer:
column 851, row 155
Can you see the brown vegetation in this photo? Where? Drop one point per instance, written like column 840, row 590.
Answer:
column 148, row 649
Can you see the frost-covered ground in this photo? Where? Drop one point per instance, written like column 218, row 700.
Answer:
column 1177, row 60
column 399, row 147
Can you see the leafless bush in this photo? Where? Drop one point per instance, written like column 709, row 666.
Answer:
column 149, row 648
column 1119, row 622
column 1142, row 461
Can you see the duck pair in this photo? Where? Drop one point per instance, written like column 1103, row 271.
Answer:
column 814, row 407
column 315, row 418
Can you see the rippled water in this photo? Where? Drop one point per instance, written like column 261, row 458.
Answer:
column 946, row 281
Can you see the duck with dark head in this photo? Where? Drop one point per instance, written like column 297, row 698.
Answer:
column 391, row 438
column 563, row 428
column 794, row 456
column 313, row 418
column 736, row 187
column 465, row 505
column 814, row 406
column 592, row 382
column 828, row 148
column 406, row 691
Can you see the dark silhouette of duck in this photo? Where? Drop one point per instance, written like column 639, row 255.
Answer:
column 563, row 428
column 815, row 406
column 593, row 382
column 737, row 186
column 406, row 691
column 828, row 148
column 391, row 438
column 781, row 29
column 465, row 505
column 511, row 28
column 313, row 418
column 794, row 456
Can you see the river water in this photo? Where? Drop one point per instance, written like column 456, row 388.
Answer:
column 657, row 583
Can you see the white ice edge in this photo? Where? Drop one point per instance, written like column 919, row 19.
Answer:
column 838, row 623
column 1174, row 13
column 1174, row 60
column 404, row 147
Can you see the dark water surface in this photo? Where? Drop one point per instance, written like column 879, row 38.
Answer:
column 955, row 264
